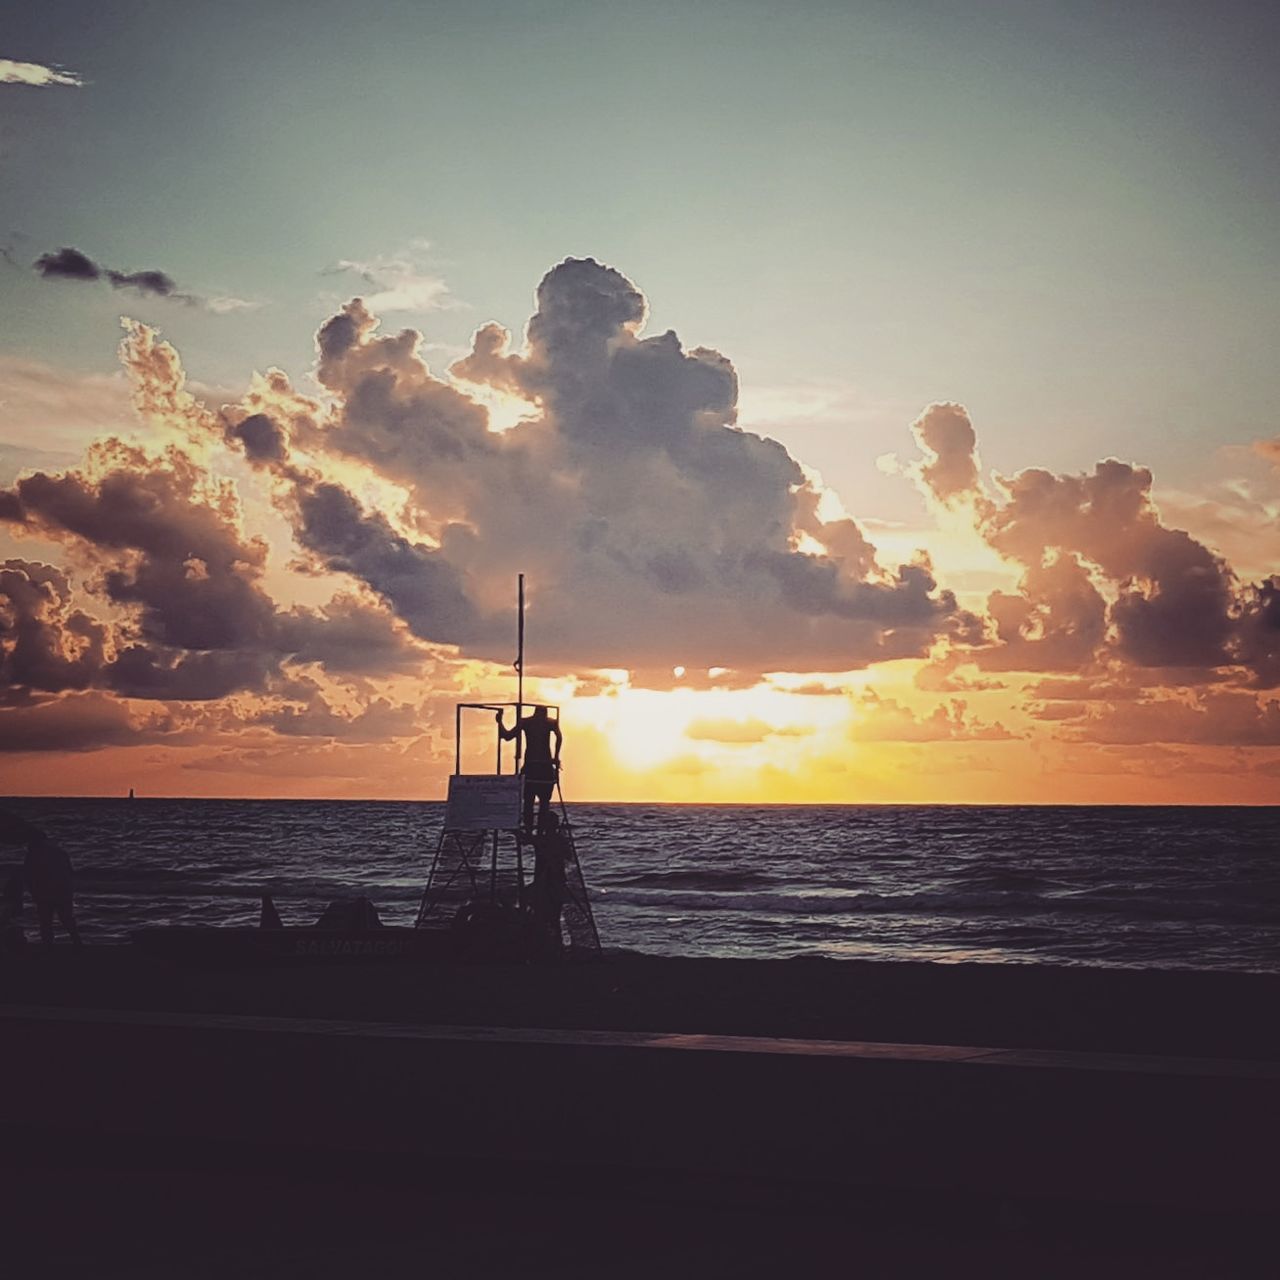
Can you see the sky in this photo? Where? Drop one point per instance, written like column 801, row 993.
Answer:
column 879, row 398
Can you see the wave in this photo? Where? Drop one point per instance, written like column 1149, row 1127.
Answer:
column 950, row 904
column 320, row 891
column 707, row 878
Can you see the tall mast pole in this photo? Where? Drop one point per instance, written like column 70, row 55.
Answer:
column 519, row 664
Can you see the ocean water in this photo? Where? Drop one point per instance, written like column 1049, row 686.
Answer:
column 1136, row 887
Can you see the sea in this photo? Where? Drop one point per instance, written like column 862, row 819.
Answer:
column 1136, row 887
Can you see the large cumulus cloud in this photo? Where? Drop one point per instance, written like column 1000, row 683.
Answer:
column 653, row 531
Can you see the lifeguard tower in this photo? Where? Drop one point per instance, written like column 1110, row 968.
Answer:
column 504, row 889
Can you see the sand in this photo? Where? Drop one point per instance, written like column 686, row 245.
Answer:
column 1199, row 1014
column 188, row 1147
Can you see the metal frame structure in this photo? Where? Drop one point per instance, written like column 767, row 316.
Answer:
column 459, row 875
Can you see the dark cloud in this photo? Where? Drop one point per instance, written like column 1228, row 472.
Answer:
column 1214, row 718
column 78, row 722
column 1055, row 621
column 146, row 671
column 1175, row 601
column 156, row 283
column 262, row 439
column 45, row 645
column 348, row 637
column 418, row 582
column 1256, row 642
column 168, row 550
column 947, row 437
column 67, row 264
column 181, row 557
column 71, row 264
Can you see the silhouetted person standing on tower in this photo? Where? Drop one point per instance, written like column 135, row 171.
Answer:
column 541, row 765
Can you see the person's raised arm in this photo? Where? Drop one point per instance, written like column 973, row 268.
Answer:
column 503, row 732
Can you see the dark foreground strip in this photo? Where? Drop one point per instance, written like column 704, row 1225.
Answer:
column 715, row 1111
column 1053, row 1059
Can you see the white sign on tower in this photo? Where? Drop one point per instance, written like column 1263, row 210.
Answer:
column 484, row 802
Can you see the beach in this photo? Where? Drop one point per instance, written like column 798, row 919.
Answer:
column 1171, row 1012
column 1014, row 1112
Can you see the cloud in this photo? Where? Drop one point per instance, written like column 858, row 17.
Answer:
column 156, row 283
column 78, row 722
column 941, row 675
column 67, row 264
column 182, row 559
column 44, row 406
column 740, row 732
column 1104, row 578
column 16, row 458
column 260, row 437
column 224, row 304
column 656, row 532
column 416, row 580
column 887, row 720
column 46, row 646
column 1213, row 718
column 37, row 75
column 1054, row 622
column 948, row 439
column 398, row 282
column 1104, row 688
column 167, row 549
column 1237, row 519
column 71, row 264
column 378, row 721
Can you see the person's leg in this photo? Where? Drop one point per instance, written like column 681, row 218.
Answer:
column 544, row 802
column 44, row 909
column 529, row 788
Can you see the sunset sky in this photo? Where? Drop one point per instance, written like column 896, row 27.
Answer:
column 881, row 399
